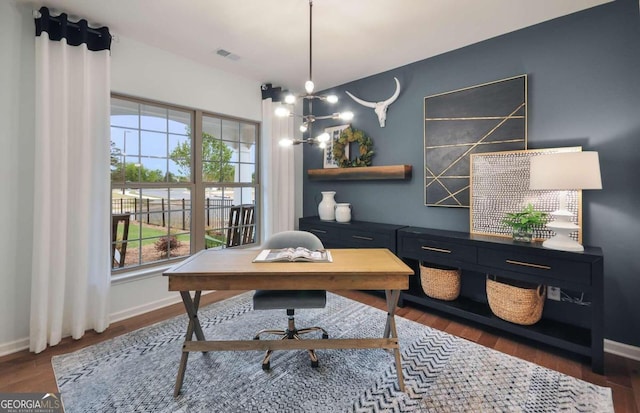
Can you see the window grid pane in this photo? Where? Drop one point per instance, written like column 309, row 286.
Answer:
column 152, row 161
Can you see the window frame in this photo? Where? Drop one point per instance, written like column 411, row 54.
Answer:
column 196, row 185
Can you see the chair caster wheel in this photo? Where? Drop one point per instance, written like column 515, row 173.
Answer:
column 314, row 364
column 325, row 336
column 266, row 366
column 256, row 338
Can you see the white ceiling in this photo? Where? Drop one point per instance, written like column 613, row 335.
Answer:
column 352, row 39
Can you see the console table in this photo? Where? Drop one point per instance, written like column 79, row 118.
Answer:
column 479, row 256
column 580, row 329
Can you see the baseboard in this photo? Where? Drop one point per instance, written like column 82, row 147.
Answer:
column 145, row 308
column 23, row 343
column 14, row 346
column 621, row 349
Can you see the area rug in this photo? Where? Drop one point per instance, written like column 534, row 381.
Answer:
column 443, row 373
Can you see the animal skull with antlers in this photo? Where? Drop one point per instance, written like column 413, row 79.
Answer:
column 379, row 107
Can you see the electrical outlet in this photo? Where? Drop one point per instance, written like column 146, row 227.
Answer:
column 553, row 293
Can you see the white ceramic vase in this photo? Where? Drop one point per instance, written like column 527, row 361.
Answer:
column 343, row 212
column 326, row 207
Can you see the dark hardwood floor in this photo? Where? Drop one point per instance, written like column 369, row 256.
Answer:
column 27, row 372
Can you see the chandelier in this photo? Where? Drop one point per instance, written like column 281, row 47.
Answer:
column 308, row 98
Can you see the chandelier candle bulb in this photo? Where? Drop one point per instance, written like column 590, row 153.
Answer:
column 346, row 115
column 308, row 86
column 282, row 112
column 323, row 138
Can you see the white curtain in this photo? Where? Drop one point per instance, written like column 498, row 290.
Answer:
column 71, row 240
column 278, row 172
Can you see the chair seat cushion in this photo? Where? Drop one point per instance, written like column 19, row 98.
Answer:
column 286, row 299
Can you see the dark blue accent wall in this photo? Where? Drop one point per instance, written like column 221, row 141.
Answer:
column 584, row 89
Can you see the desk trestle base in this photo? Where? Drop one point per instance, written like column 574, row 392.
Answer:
column 352, row 269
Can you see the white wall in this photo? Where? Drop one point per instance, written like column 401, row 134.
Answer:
column 136, row 70
column 143, row 71
column 17, row 47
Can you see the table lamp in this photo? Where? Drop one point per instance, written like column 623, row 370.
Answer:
column 564, row 171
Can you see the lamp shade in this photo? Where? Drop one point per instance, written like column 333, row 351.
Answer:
column 565, row 171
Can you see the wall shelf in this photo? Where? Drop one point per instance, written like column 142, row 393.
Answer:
column 399, row 172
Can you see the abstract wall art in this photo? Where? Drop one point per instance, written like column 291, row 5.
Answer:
column 484, row 118
column 500, row 184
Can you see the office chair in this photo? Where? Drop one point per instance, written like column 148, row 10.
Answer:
column 290, row 299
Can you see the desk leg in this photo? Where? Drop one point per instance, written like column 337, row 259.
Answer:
column 194, row 326
column 391, row 331
column 192, row 307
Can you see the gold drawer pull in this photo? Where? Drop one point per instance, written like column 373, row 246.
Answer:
column 436, row 249
column 361, row 237
column 528, row 264
column 318, row 230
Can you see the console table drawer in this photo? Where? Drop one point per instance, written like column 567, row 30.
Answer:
column 432, row 250
column 324, row 232
column 573, row 271
column 369, row 239
column 355, row 234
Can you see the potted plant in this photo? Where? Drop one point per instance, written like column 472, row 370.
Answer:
column 523, row 222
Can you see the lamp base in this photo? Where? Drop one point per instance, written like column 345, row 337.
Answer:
column 563, row 228
column 563, row 243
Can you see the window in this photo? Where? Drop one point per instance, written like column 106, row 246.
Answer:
column 167, row 200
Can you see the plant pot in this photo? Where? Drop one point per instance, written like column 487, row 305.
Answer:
column 523, row 235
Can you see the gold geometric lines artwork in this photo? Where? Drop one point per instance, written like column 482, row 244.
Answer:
column 484, row 118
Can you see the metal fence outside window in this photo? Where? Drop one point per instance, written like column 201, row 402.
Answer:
column 174, row 212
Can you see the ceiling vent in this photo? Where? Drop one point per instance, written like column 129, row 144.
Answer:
column 227, row 54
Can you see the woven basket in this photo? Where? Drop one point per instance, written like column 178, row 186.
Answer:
column 519, row 305
column 440, row 283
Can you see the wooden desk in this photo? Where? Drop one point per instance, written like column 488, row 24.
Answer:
column 351, row 269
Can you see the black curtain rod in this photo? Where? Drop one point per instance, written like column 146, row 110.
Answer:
column 75, row 25
column 75, row 33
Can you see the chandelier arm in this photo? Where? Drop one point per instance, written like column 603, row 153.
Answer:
column 332, row 116
column 295, row 115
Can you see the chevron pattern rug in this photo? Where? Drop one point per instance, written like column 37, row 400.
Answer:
column 136, row 372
